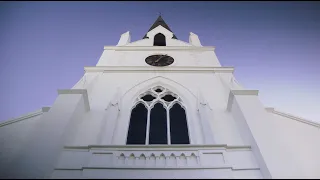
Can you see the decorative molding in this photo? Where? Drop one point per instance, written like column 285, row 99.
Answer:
column 309, row 122
column 245, row 92
column 159, row 48
column 187, row 157
column 158, row 147
column 269, row 109
column 155, row 168
column 23, row 117
column 77, row 91
column 239, row 92
column 161, row 69
column 161, row 168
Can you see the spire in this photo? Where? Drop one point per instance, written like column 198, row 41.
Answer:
column 158, row 22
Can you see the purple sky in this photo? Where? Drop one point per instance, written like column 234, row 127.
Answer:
column 274, row 46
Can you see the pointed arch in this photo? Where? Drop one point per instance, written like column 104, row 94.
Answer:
column 186, row 98
column 178, row 125
column 159, row 40
column 174, row 86
column 158, row 125
column 142, row 155
column 138, row 125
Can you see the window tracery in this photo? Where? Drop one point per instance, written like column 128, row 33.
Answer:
column 158, row 117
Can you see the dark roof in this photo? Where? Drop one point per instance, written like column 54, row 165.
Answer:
column 158, row 22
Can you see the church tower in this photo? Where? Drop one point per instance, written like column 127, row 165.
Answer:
column 158, row 107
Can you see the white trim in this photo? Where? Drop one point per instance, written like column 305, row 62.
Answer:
column 159, row 48
column 239, row 92
column 158, row 147
column 245, row 92
column 152, row 69
column 269, row 109
column 158, row 168
column 77, row 91
column 148, row 125
column 155, row 168
column 23, row 117
column 168, row 126
column 309, row 122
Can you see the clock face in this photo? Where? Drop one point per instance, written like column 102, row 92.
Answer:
column 159, row 60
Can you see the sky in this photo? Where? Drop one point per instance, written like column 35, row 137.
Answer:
column 273, row 46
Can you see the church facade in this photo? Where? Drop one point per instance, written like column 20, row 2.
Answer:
column 159, row 108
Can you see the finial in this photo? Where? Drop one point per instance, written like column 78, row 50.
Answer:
column 159, row 13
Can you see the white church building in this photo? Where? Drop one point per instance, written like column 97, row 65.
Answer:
column 159, row 107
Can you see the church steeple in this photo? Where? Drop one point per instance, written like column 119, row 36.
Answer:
column 161, row 22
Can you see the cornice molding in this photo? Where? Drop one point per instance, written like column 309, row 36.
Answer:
column 159, row 69
column 158, row 147
column 77, row 91
column 159, row 48
column 245, row 92
column 312, row 123
column 26, row 116
column 239, row 92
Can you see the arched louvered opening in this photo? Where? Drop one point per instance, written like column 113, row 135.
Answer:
column 159, row 40
column 138, row 125
column 178, row 125
column 158, row 125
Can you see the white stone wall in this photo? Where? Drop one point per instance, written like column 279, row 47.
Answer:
column 298, row 145
column 132, row 84
column 183, row 57
column 13, row 138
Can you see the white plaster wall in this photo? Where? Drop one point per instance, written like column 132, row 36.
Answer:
column 13, row 138
column 298, row 144
column 186, row 85
column 137, row 58
column 283, row 147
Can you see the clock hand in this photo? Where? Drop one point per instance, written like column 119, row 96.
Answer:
column 160, row 58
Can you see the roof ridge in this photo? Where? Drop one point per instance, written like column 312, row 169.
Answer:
column 159, row 22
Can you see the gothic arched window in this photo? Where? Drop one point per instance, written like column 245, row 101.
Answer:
column 159, row 40
column 158, row 118
column 138, row 124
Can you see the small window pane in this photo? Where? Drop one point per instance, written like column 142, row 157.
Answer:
column 138, row 124
column 178, row 125
column 158, row 125
column 148, row 98
column 158, row 90
column 168, row 98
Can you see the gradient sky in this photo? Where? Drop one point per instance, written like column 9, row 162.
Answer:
column 274, row 46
